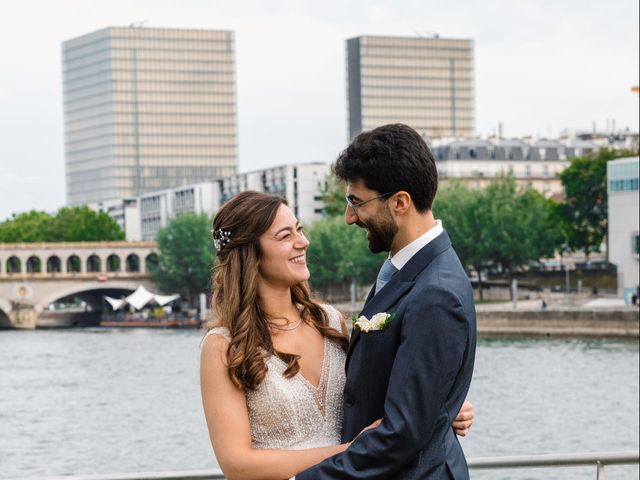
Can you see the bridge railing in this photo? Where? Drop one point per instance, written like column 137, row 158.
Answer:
column 597, row 460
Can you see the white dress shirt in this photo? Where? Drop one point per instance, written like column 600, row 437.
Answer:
column 403, row 255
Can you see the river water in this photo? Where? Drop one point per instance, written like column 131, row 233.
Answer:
column 86, row 401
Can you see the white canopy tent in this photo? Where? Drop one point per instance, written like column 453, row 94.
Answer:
column 141, row 298
column 115, row 303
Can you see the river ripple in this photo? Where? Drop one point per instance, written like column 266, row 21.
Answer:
column 99, row 401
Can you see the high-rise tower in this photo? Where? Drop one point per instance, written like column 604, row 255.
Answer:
column 426, row 83
column 147, row 109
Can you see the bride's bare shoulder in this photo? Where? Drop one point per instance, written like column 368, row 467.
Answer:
column 214, row 345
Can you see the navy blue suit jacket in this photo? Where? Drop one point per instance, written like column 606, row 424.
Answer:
column 414, row 374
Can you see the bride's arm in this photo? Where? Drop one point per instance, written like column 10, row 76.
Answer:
column 225, row 409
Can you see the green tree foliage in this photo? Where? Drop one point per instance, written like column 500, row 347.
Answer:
column 81, row 224
column 583, row 213
column 186, row 256
column 338, row 252
column 520, row 226
column 333, row 196
column 500, row 227
column 458, row 205
column 69, row 224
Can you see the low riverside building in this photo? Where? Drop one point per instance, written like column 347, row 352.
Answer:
column 302, row 185
column 624, row 243
column 531, row 163
column 156, row 209
column 126, row 214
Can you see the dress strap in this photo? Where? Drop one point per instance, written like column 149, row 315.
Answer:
column 222, row 331
column 334, row 316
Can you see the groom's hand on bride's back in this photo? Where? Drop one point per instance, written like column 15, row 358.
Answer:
column 461, row 424
column 463, row 421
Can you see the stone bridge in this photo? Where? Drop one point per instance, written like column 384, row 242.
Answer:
column 34, row 276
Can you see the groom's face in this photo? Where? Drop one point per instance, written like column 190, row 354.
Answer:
column 372, row 214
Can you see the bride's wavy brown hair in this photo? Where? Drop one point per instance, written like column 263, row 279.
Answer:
column 235, row 290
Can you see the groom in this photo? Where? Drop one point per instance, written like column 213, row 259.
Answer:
column 415, row 372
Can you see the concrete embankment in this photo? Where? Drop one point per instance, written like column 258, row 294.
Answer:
column 561, row 321
column 565, row 322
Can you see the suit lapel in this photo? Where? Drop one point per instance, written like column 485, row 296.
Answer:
column 399, row 284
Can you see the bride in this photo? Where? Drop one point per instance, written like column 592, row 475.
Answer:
column 272, row 371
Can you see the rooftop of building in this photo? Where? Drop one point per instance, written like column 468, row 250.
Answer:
column 625, row 160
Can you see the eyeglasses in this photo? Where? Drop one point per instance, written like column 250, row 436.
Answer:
column 356, row 206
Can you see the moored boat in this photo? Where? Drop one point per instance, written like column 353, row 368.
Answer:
column 152, row 323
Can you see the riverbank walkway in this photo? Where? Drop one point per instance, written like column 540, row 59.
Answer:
column 551, row 314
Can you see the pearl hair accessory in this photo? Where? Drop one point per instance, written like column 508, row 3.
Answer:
column 221, row 239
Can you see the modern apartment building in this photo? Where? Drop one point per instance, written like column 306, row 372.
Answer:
column 427, row 83
column 623, row 177
column 302, row 185
column 147, row 109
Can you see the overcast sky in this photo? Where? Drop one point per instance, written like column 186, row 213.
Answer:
column 541, row 67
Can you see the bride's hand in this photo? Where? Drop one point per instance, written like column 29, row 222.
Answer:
column 373, row 425
column 463, row 421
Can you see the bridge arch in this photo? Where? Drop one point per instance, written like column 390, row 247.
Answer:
column 132, row 263
column 34, row 264
column 14, row 265
column 93, row 263
column 151, row 261
column 74, row 264
column 54, row 265
column 86, row 289
column 113, row 263
column 5, row 308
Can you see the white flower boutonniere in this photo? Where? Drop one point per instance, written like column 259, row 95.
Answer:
column 379, row 321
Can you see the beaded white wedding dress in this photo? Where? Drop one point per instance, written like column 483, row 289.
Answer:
column 291, row 413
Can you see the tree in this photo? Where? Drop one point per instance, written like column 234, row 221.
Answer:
column 339, row 252
column 69, row 224
column 33, row 226
column 519, row 225
column 458, row 206
column 498, row 228
column 583, row 213
column 185, row 257
column 333, row 196
column 81, row 224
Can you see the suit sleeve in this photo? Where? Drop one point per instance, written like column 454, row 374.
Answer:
column 431, row 351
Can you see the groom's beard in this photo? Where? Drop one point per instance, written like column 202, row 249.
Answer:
column 382, row 230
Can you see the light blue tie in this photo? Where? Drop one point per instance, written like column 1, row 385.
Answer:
column 384, row 275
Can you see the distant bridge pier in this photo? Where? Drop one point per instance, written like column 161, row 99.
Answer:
column 24, row 316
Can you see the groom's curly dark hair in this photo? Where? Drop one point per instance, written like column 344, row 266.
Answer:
column 391, row 158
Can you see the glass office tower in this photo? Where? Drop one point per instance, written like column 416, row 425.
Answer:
column 147, row 109
column 427, row 83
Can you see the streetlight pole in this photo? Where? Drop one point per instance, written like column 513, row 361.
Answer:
column 567, row 279
column 353, row 286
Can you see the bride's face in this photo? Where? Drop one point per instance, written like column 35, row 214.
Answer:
column 283, row 247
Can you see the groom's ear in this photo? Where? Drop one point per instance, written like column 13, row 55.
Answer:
column 400, row 202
